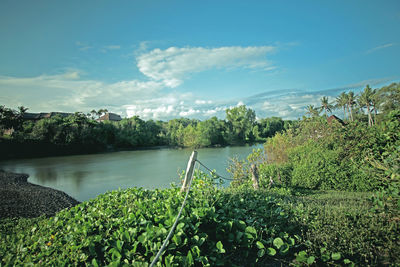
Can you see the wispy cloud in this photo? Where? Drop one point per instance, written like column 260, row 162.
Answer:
column 173, row 64
column 107, row 48
column 379, row 48
column 83, row 46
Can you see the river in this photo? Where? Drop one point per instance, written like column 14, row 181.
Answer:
column 85, row 176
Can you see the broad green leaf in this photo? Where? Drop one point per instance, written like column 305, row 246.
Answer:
column 301, row 256
column 260, row 245
column 346, row 261
column 284, row 249
column 189, row 259
column 310, row 260
column 220, row 247
column 261, row 253
column 336, row 256
column 251, row 230
column 278, row 242
column 271, row 251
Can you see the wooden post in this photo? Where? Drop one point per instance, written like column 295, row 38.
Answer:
column 189, row 171
column 254, row 176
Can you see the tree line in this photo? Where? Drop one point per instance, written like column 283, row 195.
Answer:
column 369, row 101
column 362, row 154
column 82, row 133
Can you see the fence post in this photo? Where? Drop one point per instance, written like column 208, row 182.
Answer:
column 189, row 171
column 254, row 176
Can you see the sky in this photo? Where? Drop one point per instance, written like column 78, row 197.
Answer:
column 169, row 59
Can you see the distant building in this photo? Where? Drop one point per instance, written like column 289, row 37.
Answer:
column 334, row 118
column 110, row 117
column 38, row 116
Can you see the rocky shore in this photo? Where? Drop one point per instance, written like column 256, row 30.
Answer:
column 19, row 198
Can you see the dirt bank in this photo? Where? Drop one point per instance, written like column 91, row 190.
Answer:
column 19, row 198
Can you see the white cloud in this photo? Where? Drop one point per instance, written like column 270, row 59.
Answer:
column 67, row 92
column 215, row 111
column 189, row 112
column 202, row 102
column 379, row 48
column 173, row 64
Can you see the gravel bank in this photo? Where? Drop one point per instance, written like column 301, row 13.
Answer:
column 19, row 198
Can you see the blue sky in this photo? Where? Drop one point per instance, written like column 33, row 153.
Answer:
column 168, row 59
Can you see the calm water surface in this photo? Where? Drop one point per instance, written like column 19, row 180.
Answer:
column 86, row 176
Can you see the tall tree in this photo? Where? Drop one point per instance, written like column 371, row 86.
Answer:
column 351, row 101
column 325, row 105
column 365, row 101
column 376, row 101
column 390, row 97
column 341, row 102
column 241, row 121
column 312, row 111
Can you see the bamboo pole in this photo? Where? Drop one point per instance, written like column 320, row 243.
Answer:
column 189, row 171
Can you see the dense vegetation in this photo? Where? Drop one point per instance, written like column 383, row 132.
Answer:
column 81, row 133
column 295, row 218
column 219, row 227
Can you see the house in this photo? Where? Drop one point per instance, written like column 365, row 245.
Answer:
column 334, row 118
column 38, row 116
column 110, row 117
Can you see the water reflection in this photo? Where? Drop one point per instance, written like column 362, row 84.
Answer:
column 86, row 176
column 79, row 177
column 45, row 175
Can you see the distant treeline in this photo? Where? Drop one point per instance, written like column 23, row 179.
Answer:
column 80, row 133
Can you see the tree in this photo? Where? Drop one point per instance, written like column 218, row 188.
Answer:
column 312, row 111
column 325, row 105
column 365, row 100
column 341, row 102
column 269, row 126
column 11, row 119
column 376, row 101
column 351, row 101
column 241, row 121
column 390, row 97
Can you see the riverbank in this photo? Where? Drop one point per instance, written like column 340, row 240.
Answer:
column 19, row 198
column 271, row 227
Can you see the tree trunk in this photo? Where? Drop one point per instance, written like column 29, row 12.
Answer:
column 370, row 122
column 351, row 112
column 344, row 112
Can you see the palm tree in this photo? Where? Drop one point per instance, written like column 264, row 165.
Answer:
column 341, row 101
column 351, row 100
column 376, row 101
column 312, row 111
column 365, row 100
column 325, row 105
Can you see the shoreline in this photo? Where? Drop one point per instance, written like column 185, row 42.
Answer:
column 112, row 150
column 20, row 198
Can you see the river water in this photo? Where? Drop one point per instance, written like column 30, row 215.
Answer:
column 85, row 176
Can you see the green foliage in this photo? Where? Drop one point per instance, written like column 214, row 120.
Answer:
column 240, row 123
column 218, row 227
column 340, row 228
column 11, row 119
column 79, row 133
